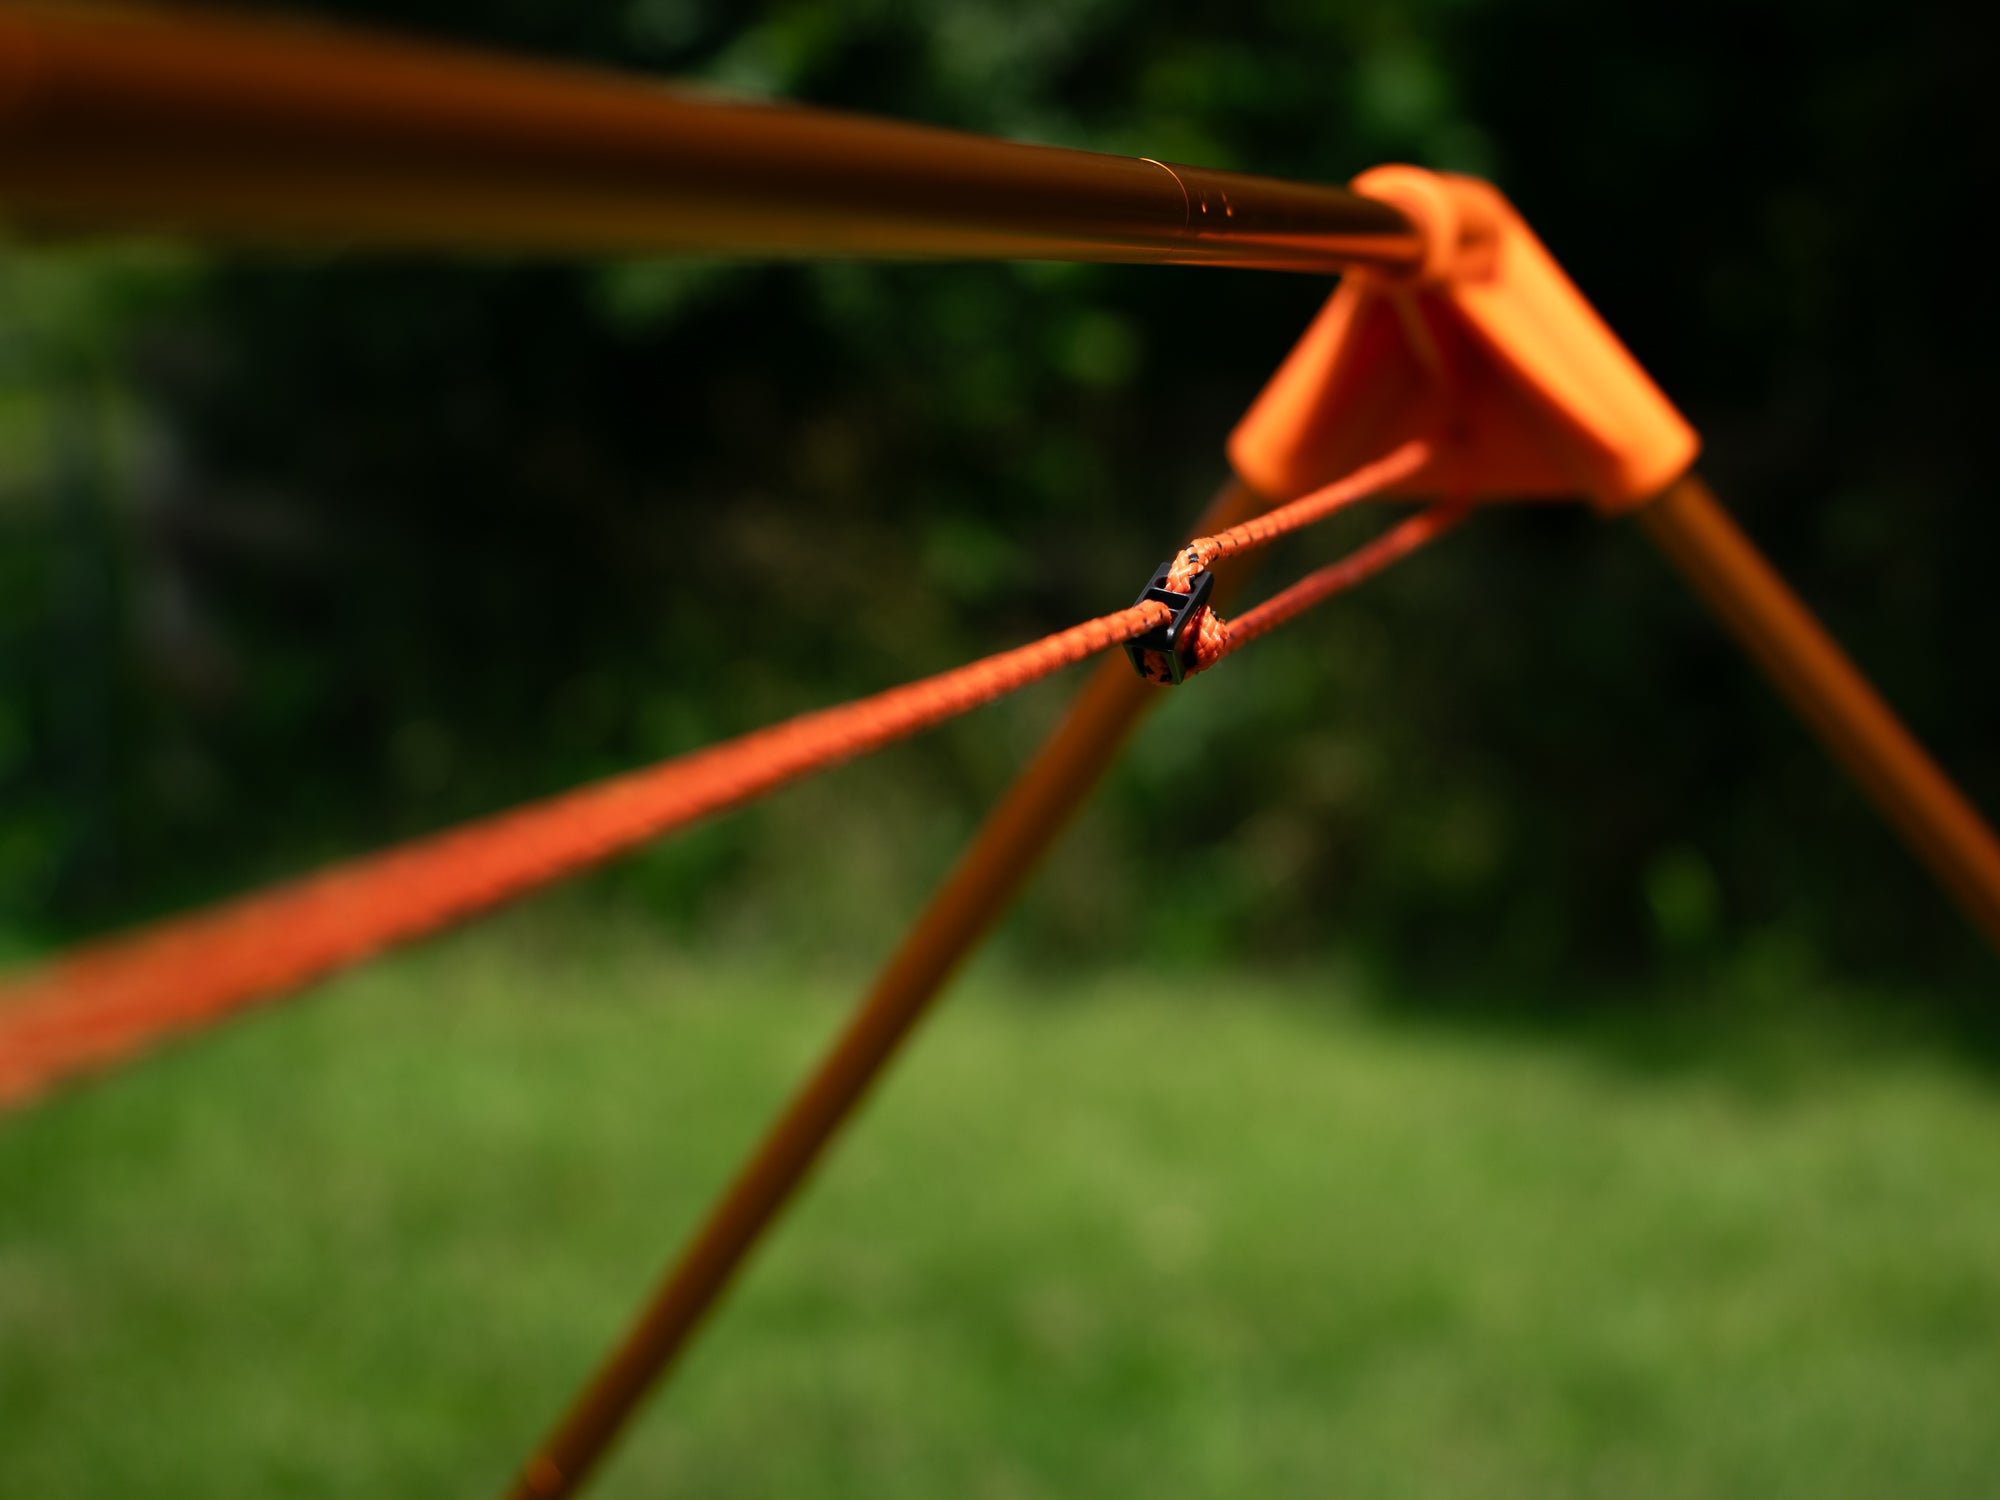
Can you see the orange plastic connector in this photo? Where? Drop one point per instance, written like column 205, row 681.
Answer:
column 1487, row 350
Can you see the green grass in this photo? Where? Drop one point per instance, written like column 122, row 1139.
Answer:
column 1261, row 1237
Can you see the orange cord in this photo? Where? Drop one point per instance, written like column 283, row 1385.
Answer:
column 112, row 999
column 1210, row 637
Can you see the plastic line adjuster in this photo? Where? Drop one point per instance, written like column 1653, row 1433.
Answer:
column 1166, row 639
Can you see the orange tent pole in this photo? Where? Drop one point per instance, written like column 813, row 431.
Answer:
column 1027, row 820
column 291, row 133
column 1942, row 828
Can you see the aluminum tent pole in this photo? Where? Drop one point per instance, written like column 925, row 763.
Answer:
column 1934, row 818
column 291, row 133
column 1028, row 818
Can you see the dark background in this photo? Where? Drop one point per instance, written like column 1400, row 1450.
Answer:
column 301, row 555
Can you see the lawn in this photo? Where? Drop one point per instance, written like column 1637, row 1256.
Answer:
column 1100, row 1235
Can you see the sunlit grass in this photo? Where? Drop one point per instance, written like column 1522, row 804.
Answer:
column 1261, row 1236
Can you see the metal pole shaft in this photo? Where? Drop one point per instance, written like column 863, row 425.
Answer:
column 1027, row 820
column 290, row 133
column 1807, row 666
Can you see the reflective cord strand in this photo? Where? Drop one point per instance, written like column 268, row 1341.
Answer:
column 113, row 998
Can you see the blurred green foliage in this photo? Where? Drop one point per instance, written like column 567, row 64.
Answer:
column 301, row 555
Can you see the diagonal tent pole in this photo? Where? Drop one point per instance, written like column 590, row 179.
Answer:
column 1941, row 827
column 1027, row 820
